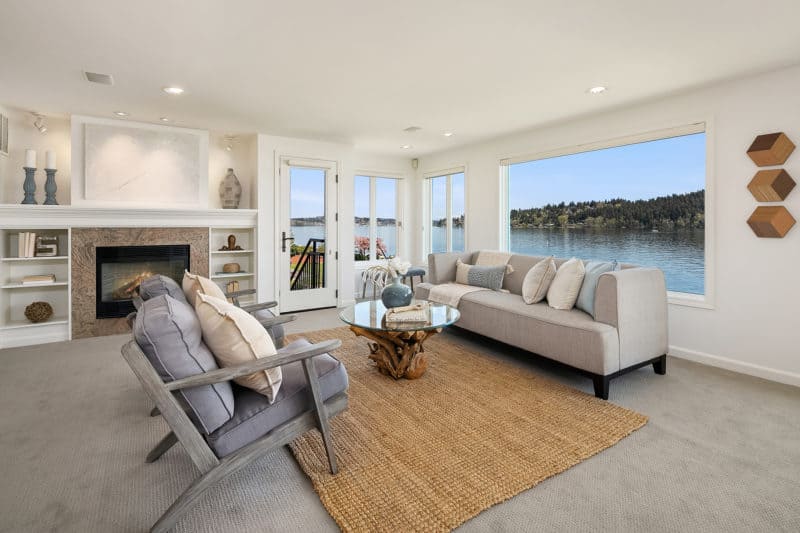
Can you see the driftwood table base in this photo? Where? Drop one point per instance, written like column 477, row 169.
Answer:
column 399, row 354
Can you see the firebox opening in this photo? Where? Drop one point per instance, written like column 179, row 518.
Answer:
column 120, row 270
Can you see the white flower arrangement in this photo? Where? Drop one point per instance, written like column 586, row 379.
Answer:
column 396, row 267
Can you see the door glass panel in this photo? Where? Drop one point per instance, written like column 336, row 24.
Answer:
column 361, row 209
column 386, row 217
column 439, row 214
column 457, row 210
column 307, row 216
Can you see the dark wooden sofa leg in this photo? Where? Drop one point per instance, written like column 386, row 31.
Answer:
column 601, row 386
column 660, row 366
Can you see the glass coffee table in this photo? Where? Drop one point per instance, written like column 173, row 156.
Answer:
column 397, row 349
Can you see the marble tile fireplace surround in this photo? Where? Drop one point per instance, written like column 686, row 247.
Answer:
column 84, row 268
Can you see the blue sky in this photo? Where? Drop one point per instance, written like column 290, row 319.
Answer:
column 385, row 197
column 308, row 192
column 439, row 196
column 634, row 172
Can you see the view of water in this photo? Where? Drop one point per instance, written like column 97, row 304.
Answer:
column 680, row 254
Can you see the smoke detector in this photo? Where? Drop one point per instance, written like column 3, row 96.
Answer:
column 95, row 77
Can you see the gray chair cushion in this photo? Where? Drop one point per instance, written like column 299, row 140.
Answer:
column 168, row 332
column 255, row 417
column 158, row 285
column 276, row 332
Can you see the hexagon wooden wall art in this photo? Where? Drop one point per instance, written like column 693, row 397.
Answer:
column 771, row 185
column 770, row 149
column 771, row 221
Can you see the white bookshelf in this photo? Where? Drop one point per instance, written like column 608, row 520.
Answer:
column 15, row 329
column 246, row 257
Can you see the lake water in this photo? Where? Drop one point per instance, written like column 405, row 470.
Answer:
column 680, row 254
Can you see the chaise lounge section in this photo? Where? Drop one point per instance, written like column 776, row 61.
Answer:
column 629, row 330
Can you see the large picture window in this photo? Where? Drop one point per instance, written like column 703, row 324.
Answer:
column 376, row 218
column 446, row 223
column 641, row 203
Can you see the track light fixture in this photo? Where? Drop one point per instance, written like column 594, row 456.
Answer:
column 38, row 123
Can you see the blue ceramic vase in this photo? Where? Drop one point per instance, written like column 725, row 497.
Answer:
column 396, row 294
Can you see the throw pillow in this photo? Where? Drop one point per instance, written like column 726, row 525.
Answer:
column 564, row 289
column 158, row 285
column 192, row 284
column 488, row 277
column 538, row 280
column 594, row 269
column 236, row 337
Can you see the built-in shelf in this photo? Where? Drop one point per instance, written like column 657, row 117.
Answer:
column 236, row 275
column 20, row 324
column 223, row 252
column 18, row 285
column 40, row 258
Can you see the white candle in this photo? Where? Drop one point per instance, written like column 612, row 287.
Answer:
column 30, row 158
column 50, row 157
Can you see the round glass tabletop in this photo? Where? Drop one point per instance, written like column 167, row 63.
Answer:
column 370, row 314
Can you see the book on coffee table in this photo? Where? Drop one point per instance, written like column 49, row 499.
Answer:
column 416, row 314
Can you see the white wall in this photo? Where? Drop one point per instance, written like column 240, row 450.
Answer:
column 21, row 136
column 753, row 326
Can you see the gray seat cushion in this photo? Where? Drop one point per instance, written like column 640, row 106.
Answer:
column 168, row 332
column 276, row 332
column 158, row 285
column 255, row 417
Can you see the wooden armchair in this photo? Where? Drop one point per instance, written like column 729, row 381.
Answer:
column 215, row 461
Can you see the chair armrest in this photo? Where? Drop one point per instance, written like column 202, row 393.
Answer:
column 634, row 300
column 252, row 308
column 280, row 319
column 283, row 357
column 442, row 267
column 243, row 292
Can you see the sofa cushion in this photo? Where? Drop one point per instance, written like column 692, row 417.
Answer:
column 255, row 416
column 594, row 269
column 235, row 337
column 168, row 332
column 158, row 285
column 487, row 277
column 566, row 286
column 537, row 280
column 193, row 283
column 571, row 337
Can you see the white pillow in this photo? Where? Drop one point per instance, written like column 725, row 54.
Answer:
column 566, row 286
column 537, row 280
column 235, row 337
column 192, row 284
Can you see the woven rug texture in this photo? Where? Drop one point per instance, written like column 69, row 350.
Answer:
column 429, row 454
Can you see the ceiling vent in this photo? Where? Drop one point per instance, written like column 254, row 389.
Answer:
column 94, row 77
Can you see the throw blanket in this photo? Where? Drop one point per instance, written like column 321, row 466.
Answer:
column 451, row 293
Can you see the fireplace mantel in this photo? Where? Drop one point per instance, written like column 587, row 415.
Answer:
column 23, row 216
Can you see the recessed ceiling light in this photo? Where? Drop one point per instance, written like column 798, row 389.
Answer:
column 173, row 90
column 598, row 89
column 412, row 129
column 405, row 146
column 164, row 119
column 448, row 134
column 121, row 113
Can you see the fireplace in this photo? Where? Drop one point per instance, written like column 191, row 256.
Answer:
column 120, row 269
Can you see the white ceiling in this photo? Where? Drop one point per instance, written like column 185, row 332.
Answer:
column 363, row 70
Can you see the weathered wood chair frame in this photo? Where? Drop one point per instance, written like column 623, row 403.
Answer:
column 212, row 468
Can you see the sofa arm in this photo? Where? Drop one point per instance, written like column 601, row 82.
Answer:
column 634, row 301
column 442, row 267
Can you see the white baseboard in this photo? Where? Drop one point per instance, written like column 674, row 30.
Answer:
column 772, row 374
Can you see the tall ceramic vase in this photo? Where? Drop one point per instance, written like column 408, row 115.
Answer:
column 230, row 191
column 396, row 294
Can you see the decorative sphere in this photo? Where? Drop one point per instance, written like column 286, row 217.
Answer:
column 38, row 311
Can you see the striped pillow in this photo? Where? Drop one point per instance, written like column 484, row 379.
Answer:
column 488, row 277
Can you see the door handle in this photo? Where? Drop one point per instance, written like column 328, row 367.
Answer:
column 284, row 238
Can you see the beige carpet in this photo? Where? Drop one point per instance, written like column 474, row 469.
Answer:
column 429, row 454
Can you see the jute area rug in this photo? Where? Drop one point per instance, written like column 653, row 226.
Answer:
column 429, row 454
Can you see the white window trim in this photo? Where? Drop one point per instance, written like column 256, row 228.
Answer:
column 427, row 211
column 399, row 195
column 704, row 301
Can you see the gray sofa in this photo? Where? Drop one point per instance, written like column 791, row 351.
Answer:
column 629, row 329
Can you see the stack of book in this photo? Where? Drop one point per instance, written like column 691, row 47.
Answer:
column 410, row 314
column 41, row 279
column 26, row 246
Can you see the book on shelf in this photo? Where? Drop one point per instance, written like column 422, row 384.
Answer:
column 409, row 314
column 26, row 244
column 39, row 279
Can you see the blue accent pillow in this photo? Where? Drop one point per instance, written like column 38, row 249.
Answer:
column 594, row 269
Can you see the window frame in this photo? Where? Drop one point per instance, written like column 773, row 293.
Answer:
column 373, row 220
column 703, row 301
column 427, row 226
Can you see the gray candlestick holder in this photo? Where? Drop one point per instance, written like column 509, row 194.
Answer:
column 50, row 187
column 29, row 186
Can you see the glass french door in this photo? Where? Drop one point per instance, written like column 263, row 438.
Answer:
column 307, row 235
